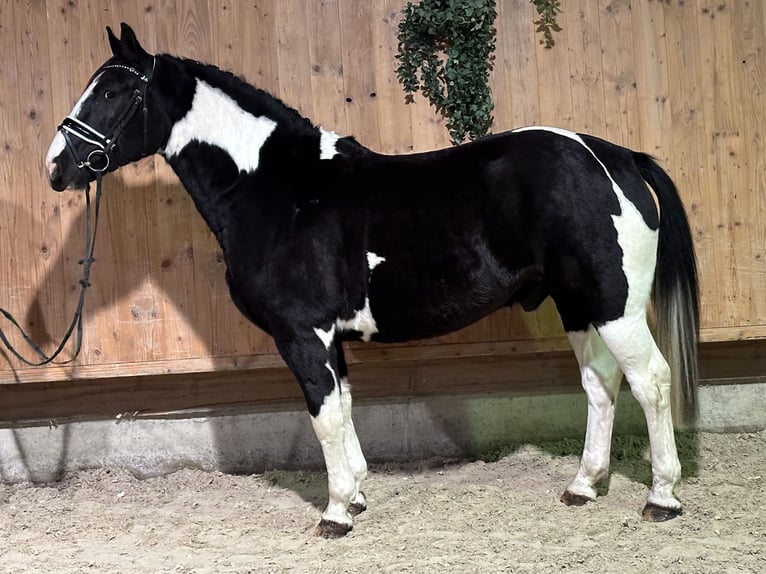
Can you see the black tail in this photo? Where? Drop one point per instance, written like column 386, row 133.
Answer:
column 676, row 291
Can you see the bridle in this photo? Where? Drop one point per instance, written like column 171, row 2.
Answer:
column 98, row 160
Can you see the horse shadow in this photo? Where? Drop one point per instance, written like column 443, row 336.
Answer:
column 629, row 455
column 122, row 196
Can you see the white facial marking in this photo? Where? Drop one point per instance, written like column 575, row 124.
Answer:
column 85, row 95
column 638, row 242
column 329, row 429
column 327, row 143
column 325, row 336
column 373, row 260
column 215, row 118
column 362, row 321
column 59, row 143
column 57, row 146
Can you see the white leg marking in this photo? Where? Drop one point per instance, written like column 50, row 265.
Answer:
column 601, row 378
column 215, row 118
column 326, row 337
column 327, row 141
column 373, row 260
column 648, row 375
column 329, row 429
column 362, row 321
column 354, row 451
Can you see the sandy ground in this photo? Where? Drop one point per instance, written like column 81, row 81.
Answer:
column 439, row 516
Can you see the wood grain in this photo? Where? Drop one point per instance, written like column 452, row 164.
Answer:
column 681, row 80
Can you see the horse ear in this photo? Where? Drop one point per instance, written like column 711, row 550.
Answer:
column 114, row 43
column 130, row 47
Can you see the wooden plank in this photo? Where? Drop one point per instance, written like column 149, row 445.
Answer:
column 650, row 62
column 261, row 40
column 326, row 57
column 275, row 388
column 687, row 162
column 171, row 217
column 394, row 120
column 43, row 276
column 724, row 134
column 581, row 19
column 748, row 39
column 514, row 78
column 553, row 77
column 293, row 57
column 359, row 79
column 620, row 102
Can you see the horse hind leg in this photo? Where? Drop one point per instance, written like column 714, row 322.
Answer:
column 648, row 375
column 600, row 377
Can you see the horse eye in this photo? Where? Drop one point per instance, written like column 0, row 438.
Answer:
column 109, row 95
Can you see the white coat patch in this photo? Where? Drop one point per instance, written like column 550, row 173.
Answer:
column 362, row 321
column 327, row 142
column 638, row 242
column 325, row 336
column 373, row 260
column 215, row 118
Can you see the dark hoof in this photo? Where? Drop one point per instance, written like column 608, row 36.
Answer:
column 330, row 529
column 655, row 513
column 571, row 499
column 356, row 508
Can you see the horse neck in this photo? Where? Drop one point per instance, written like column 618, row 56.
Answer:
column 226, row 135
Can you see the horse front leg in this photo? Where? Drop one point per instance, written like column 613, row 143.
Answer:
column 356, row 458
column 314, row 362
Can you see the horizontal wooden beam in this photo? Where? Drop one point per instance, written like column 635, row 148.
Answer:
column 391, row 378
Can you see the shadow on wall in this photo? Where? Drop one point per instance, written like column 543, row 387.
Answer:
column 428, row 428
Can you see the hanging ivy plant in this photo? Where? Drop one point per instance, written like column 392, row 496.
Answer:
column 546, row 24
column 451, row 43
column 446, row 50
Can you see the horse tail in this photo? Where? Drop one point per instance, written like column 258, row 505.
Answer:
column 676, row 292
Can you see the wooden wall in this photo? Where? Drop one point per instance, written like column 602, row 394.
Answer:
column 683, row 80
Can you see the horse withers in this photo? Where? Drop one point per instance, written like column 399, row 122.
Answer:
column 326, row 241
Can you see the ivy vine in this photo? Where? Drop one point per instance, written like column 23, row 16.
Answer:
column 546, row 24
column 452, row 44
column 446, row 51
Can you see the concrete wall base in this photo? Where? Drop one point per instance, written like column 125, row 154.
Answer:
column 417, row 428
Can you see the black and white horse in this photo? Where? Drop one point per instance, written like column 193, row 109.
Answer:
column 326, row 241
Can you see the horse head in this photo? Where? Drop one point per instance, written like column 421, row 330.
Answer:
column 115, row 121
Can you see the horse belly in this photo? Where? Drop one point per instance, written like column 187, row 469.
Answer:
column 412, row 307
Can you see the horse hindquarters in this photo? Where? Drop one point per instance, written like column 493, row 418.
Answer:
column 630, row 343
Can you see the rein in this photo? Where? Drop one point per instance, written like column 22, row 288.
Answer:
column 97, row 161
column 91, row 226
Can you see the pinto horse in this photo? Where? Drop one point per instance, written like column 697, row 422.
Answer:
column 326, row 241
